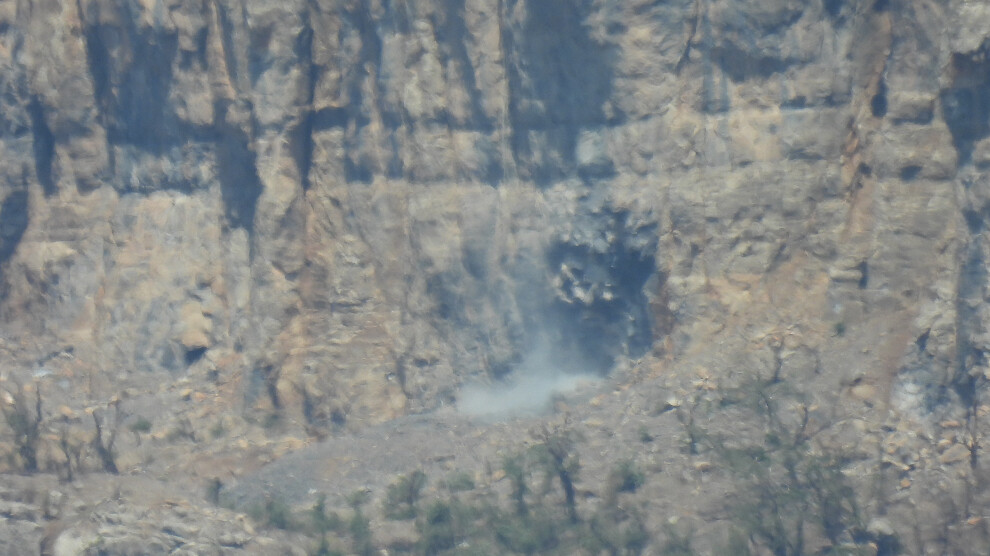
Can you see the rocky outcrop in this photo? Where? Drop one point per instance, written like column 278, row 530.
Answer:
column 248, row 221
column 343, row 210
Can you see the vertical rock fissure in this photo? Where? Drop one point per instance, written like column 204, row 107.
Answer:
column 303, row 132
column 43, row 144
column 966, row 103
column 453, row 40
column 240, row 185
column 96, row 57
column 226, row 28
column 558, row 84
column 357, row 169
column 13, row 223
column 971, row 283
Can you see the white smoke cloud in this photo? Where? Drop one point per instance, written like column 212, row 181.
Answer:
column 529, row 389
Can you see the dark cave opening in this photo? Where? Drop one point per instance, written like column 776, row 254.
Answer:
column 966, row 104
column 194, row 354
column 600, row 309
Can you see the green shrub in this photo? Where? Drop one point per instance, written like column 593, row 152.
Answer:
column 677, row 543
column 360, row 530
column 141, row 425
column 515, row 471
column 615, row 532
column 526, row 535
column 736, row 543
column 213, row 489
column 437, row 528
column 626, row 477
column 358, row 498
column 324, row 548
column 644, row 434
column 23, row 416
column 402, row 495
column 322, row 521
column 278, row 515
column 460, row 481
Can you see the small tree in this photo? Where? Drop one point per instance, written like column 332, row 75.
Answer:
column 23, row 416
column 438, row 528
column 71, row 448
column 557, row 448
column 625, row 477
column 359, row 526
column 401, row 496
column 788, row 484
column 515, row 471
column 106, row 434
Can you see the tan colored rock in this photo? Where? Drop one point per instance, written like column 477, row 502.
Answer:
column 73, row 542
column 911, row 106
column 955, row 454
column 355, row 211
column 863, row 391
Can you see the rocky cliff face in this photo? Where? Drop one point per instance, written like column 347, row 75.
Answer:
column 343, row 210
column 349, row 208
column 360, row 205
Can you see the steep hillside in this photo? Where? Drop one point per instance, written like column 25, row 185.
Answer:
column 254, row 225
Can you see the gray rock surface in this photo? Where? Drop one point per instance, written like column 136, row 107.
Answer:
column 363, row 206
column 339, row 212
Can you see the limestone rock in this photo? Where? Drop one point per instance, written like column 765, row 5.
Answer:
column 338, row 213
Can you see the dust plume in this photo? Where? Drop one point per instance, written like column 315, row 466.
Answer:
column 529, row 390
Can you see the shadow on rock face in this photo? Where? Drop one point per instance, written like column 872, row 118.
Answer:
column 558, row 83
column 966, row 104
column 13, row 222
column 599, row 273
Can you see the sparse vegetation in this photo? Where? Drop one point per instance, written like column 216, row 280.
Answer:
column 22, row 413
column 644, row 434
column 460, row 481
column 60, row 442
column 278, row 514
column 275, row 513
column 105, row 437
column 71, row 448
column 616, row 531
column 213, row 488
column 526, row 534
column 323, row 549
column 788, row 486
column 515, row 471
column 183, row 429
column 626, row 477
column 360, row 530
column 323, row 522
column 141, row 425
column 677, row 541
column 788, row 494
column 557, row 451
column 437, row 528
column 402, row 495
column 218, row 430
